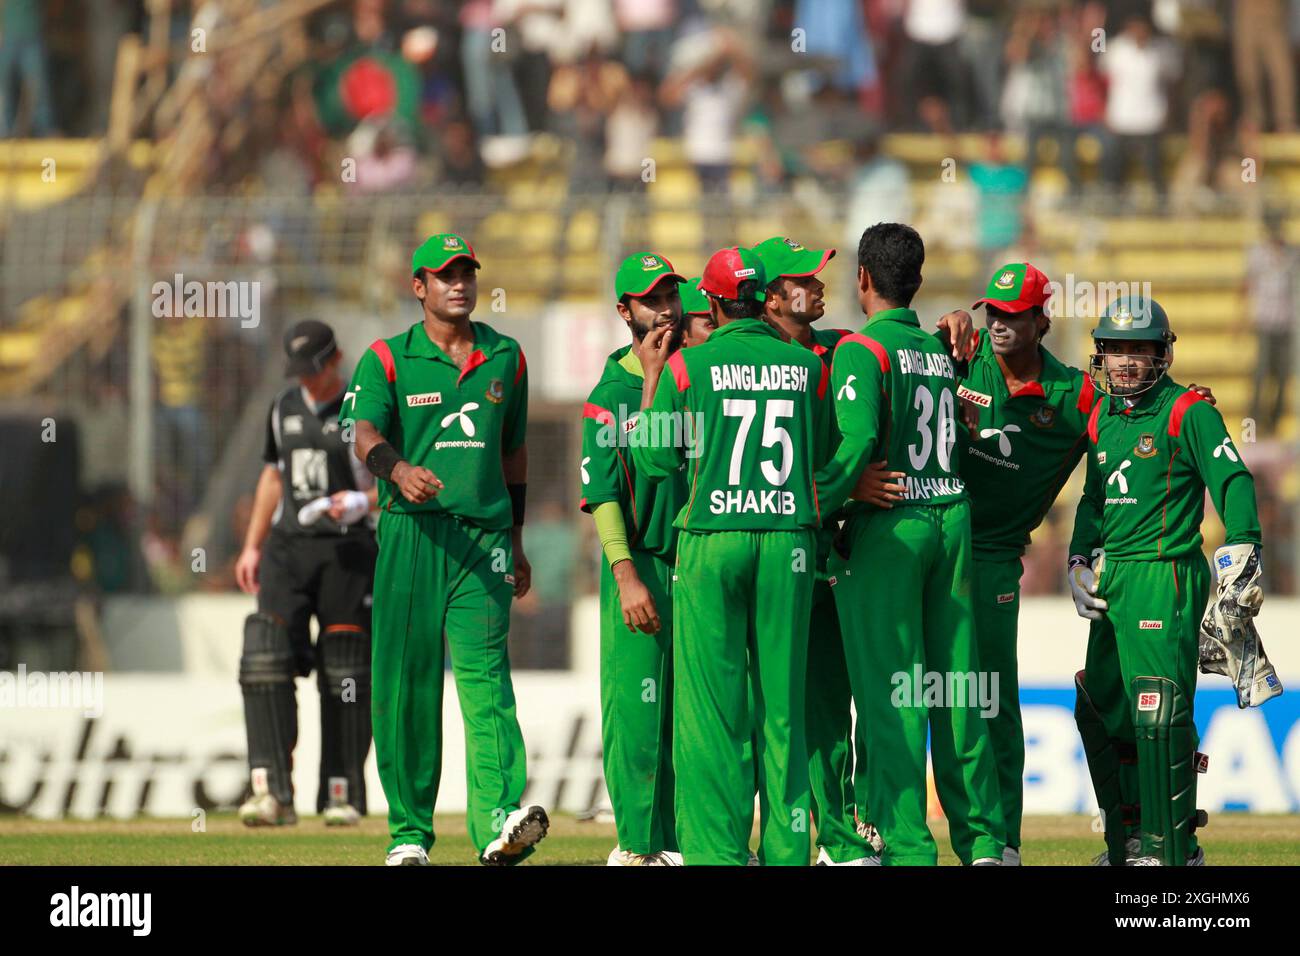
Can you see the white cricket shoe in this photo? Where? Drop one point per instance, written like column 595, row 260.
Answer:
column 824, row 859
column 869, row 833
column 672, row 858
column 407, row 854
column 1132, row 849
column 523, row 828
column 620, row 857
column 1010, row 856
column 341, row 815
column 263, row 810
column 987, row 861
column 1196, row 859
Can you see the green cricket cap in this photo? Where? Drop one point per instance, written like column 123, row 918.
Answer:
column 694, row 302
column 783, row 256
column 437, row 251
column 641, row 272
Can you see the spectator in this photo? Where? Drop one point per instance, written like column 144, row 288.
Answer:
column 490, row 94
column 1261, row 45
column 1036, row 96
column 582, row 96
column 838, row 31
column 24, row 67
column 1137, row 107
column 386, row 161
column 712, row 93
column 1000, row 189
column 647, row 28
column 630, row 132
column 981, row 46
column 538, row 27
column 179, row 347
column 1271, row 293
column 462, row 166
column 880, row 190
column 935, row 75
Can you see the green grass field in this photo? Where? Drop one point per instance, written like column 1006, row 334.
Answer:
column 1048, row 840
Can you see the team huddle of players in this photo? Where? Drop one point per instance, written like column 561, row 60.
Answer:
column 818, row 540
column 797, row 523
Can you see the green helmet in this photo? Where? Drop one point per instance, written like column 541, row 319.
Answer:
column 1132, row 318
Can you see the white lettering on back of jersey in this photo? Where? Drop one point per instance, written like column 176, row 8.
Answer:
column 741, row 501
column 759, row 378
column 916, row 362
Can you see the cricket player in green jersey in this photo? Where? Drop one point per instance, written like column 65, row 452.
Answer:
column 634, row 520
column 794, row 301
column 747, row 414
column 697, row 320
column 901, row 578
column 1154, row 450
column 440, row 412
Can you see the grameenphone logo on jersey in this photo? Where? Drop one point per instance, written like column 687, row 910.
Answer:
column 460, row 423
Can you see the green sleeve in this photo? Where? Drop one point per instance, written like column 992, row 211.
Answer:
column 516, row 422
column 856, row 388
column 1087, row 516
column 599, row 469
column 825, row 435
column 1228, row 480
column 371, row 396
column 612, row 531
column 656, row 453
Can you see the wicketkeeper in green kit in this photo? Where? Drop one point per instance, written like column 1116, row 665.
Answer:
column 634, row 520
column 440, row 412
column 901, row 577
column 1154, row 450
column 747, row 415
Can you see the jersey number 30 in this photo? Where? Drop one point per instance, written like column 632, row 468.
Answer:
column 923, row 402
column 773, row 434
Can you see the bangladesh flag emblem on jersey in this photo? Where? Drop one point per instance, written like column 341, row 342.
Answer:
column 1146, row 446
column 1006, row 280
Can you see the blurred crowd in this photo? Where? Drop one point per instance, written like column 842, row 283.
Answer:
column 417, row 91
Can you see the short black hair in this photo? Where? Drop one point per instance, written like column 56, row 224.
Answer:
column 746, row 306
column 893, row 253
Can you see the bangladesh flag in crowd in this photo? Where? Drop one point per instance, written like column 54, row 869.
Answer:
column 367, row 84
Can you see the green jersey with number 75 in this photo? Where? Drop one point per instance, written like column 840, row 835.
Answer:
column 895, row 397
column 748, row 414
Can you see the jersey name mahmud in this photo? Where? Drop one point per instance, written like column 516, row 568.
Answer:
column 759, row 378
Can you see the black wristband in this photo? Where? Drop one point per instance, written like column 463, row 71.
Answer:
column 381, row 461
column 517, row 495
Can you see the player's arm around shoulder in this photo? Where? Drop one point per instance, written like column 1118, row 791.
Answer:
column 1199, row 427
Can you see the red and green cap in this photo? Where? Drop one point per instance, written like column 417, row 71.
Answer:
column 694, row 302
column 1016, row 287
column 728, row 268
column 641, row 272
column 436, row 252
column 783, row 256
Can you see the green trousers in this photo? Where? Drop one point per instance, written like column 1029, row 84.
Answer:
column 904, row 599
column 636, row 711
column 995, row 596
column 1170, row 593
column 834, row 763
column 439, row 577
column 741, row 605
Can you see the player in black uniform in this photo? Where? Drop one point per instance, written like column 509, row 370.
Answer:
column 310, row 549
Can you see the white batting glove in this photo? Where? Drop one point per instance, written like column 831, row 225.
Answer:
column 1083, row 588
column 356, row 505
column 311, row 512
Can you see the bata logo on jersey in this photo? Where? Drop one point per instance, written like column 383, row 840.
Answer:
column 630, row 425
column 920, row 489
column 424, row 398
column 1101, row 458
column 916, row 362
column 751, row 502
column 1151, row 625
column 974, row 397
column 1007, row 598
column 759, row 378
column 1148, row 700
column 466, row 426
